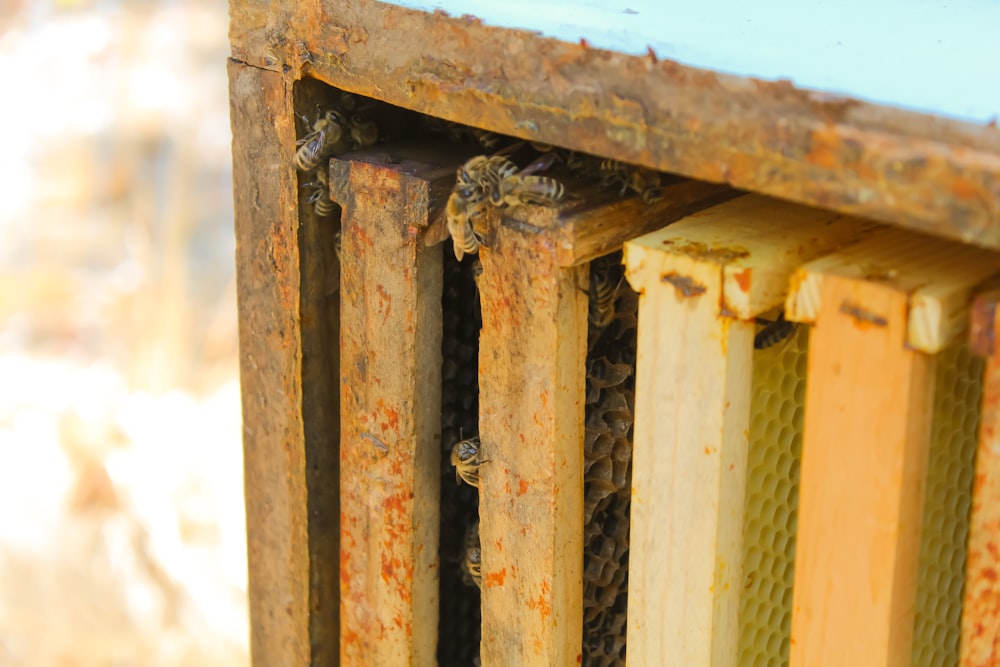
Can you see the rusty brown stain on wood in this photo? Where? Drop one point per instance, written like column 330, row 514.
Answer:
column 980, row 645
column 686, row 285
column 390, row 459
column 862, row 317
column 982, row 330
column 933, row 174
column 268, row 273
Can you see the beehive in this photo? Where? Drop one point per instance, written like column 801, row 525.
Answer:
column 771, row 138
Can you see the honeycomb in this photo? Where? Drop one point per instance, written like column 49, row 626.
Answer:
column 775, row 450
column 459, row 625
column 608, row 472
column 944, row 539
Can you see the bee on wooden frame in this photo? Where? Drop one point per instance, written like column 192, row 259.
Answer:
column 320, row 197
column 522, row 187
column 773, row 331
column 473, row 569
column 325, row 132
column 603, row 292
column 465, row 457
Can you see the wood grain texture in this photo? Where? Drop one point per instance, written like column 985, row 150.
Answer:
column 689, row 462
column 931, row 174
column 758, row 242
column 938, row 276
column 864, row 460
column 390, row 423
column 980, row 646
column 269, row 293
column 531, row 411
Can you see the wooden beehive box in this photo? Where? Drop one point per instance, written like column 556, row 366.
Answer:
column 741, row 415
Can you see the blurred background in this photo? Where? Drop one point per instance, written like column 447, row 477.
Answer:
column 122, row 537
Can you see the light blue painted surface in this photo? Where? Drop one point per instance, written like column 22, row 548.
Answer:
column 936, row 57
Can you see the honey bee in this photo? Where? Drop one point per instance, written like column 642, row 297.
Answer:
column 615, row 173
column 465, row 458
column 521, row 187
column 460, row 212
column 583, row 164
column 773, row 332
column 320, row 142
column 363, row 131
column 603, row 292
column 474, row 180
column 477, row 271
column 474, row 555
column 488, row 140
column 320, row 197
column 646, row 183
column 484, row 173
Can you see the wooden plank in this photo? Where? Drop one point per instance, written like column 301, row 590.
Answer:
column 689, row 471
column 292, row 606
column 531, row 391
column 865, row 448
column 939, row 277
column 932, row 174
column 759, row 241
column 390, row 393
column 588, row 232
column 688, row 462
column 980, row 644
column 535, row 334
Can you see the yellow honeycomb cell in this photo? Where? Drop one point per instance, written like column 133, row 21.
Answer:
column 772, row 499
column 944, row 539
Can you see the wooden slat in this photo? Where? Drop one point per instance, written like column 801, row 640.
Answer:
column 867, row 423
column 980, row 645
column 937, row 310
column 390, row 384
column 532, row 363
column 593, row 231
column 289, row 474
column 688, row 463
column 531, row 387
column 692, row 412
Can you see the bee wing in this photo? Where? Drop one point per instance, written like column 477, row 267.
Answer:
column 539, row 164
column 437, row 231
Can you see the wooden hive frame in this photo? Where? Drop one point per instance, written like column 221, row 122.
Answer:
column 844, row 158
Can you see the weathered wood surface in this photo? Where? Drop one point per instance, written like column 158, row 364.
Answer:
column 290, row 478
column 928, row 173
column 533, row 349
column 980, row 645
column 938, row 276
column 702, row 281
column 864, row 460
column 531, row 409
column 390, row 392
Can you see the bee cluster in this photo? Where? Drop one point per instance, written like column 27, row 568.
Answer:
column 610, row 402
column 345, row 125
column 497, row 180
